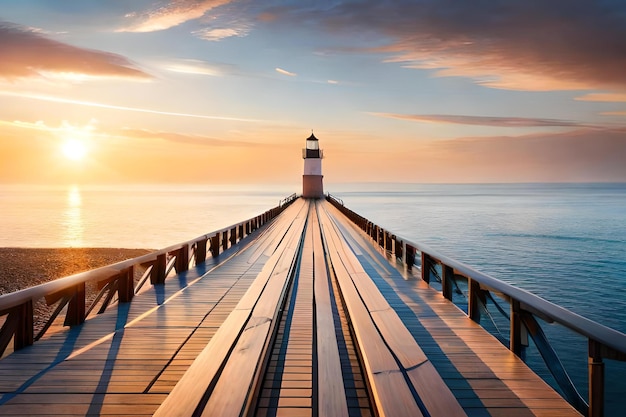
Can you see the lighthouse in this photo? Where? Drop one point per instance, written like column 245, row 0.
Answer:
column 312, row 179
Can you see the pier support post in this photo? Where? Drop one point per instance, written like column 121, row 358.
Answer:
column 596, row 380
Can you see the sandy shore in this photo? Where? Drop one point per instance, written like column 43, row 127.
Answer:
column 22, row 267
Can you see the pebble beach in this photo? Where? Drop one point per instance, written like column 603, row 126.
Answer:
column 24, row 267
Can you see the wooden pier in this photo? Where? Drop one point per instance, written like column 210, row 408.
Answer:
column 306, row 310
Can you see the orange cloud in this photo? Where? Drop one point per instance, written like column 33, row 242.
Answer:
column 27, row 53
column 604, row 97
column 173, row 14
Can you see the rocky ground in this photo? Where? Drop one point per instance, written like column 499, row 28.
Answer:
column 22, row 268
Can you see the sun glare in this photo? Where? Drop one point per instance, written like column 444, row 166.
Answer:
column 74, row 149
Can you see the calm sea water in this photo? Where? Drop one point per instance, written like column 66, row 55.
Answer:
column 564, row 242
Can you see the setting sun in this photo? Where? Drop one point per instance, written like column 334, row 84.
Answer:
column 74, row 149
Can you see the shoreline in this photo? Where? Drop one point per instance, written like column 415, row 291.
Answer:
column 25, row 267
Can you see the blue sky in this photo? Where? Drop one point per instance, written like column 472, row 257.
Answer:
column 226, row 91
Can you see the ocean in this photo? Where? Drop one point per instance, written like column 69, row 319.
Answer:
column 563, row 242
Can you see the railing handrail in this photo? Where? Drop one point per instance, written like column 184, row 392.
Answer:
column 531, row 302
column 17, row 298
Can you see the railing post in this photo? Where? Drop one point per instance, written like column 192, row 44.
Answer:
column 24, row 331
column 157, row 275
column 224, row 240
column 447, row 278
column 596, row 380
column 76, row 307
column 516, row 329
column 473, row 310
column 126, row 285
column 410, row 256
column 201, row 251
column 240, row 233
column 233, row 236
column 426, row 264
column 215, row 245
column 182, row 259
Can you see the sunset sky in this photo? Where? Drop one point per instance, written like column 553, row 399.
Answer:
column 220, row 91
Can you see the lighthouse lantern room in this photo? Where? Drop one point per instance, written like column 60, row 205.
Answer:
column 312, row 186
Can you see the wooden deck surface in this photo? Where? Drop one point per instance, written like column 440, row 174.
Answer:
column 318, row 359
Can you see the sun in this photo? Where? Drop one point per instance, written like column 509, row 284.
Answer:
column 74, row 149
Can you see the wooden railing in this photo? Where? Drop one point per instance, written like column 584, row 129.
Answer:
column 524, row 309
column 114, row 282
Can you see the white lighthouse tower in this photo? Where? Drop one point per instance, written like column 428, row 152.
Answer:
column 312, row 179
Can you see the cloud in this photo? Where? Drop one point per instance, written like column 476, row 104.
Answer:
column 198, row 67
column 27, row 53
column 483, row 120
column 172, row 14
column 285, row 72
column 614, row 113
column 576, row 155
column 604, row 97
column 125, row 108
column 183, row 138
column 507, row 44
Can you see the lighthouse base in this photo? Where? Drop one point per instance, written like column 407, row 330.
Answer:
column 312, row 186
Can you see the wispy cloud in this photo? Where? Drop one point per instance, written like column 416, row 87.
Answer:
column 182, row 138
column 172, row 14
column 605, row 97
column 285, row 72
column 198, row 67
column 125, row 108
column 483, row 120
column 27, row 53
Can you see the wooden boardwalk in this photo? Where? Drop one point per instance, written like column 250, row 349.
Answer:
column 304, row 318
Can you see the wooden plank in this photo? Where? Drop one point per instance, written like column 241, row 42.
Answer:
column 392, row 395
column 234, row 388
column 210, row 370
column 421, row 373
column 331, row 390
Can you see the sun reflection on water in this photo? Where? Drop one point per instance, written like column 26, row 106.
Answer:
column 73, row 226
